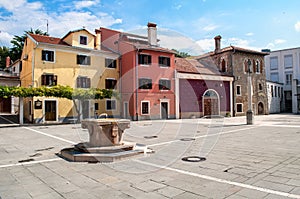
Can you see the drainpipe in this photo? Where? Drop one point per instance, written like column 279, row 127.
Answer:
column 136, row 84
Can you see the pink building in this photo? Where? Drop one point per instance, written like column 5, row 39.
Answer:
column 201, row 89
column 147, row 73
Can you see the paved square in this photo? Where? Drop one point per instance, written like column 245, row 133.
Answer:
column 242, row 161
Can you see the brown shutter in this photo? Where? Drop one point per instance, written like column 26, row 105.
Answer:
column 88, row 82
column 55, row 80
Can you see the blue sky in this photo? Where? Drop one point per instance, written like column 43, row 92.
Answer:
column 187, row 25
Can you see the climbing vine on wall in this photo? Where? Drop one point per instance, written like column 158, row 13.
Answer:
column 57, row 91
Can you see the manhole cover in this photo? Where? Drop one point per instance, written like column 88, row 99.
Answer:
column 150, row 137
column 193, row 159
column 187, row 139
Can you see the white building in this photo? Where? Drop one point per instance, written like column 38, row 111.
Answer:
column 275, row 97
column 283, row 66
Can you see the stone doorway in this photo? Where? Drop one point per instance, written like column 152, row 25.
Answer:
column 211, row 103
column 261, row 110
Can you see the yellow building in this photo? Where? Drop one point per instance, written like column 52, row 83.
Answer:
column 75, row 60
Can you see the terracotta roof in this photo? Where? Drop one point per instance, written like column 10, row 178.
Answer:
column 81, row 29
column 205, row 67
column 230, row 48
column 47, row 39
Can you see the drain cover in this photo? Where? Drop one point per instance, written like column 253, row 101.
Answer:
column 187, row 139
column 150, row 137
column 193, row 159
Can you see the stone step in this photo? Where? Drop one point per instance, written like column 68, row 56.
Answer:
column 74, row 155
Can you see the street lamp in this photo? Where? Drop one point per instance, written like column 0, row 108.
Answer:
column 249, row 112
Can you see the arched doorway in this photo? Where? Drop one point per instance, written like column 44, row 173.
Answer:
column 261, row 110
column 211, row 103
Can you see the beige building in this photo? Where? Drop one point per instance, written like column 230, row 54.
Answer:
column 76, row 60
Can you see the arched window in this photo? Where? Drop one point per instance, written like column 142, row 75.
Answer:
column 210, row 93
column 223, row 65
column 261, row 66
column 246, row 66
column 257, row 66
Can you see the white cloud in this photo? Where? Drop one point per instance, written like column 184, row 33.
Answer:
column 249, row 34
column 275, row 43
column 237, row 42
column 206, row 44
column 5, row 38
column 297, row 26
column 210, row 27
column 279, row 41
column 60, row 23
column 11, row 5
column 85, row 4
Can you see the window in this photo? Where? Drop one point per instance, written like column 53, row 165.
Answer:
column 83, row 60
column 288, row 61
column 275, row 91
column 83, row 40
column 288, row 78
column 239, row 108
column 247, row 66
column 238, row 90
column 48, row 55
column 110, row 83
column 164, row 61
column 223, row 65
column 96, row 106
column 83, row 82
column 110, row 63
column 144, row 59
column 274, row 77
column 110, row 104
column 49, row 80
column 278, row 91
column 145, row 83
column 273, row 63
column 257, row 66
column 272, row 92
column 145, row 108
column 164, row 84
column 260, row 87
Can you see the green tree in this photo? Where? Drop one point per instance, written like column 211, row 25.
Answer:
column 181, row 54
column 4, row 52
column 18, row 43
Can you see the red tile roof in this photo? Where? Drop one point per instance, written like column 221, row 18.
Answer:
column 205, row 67
column 47, row 39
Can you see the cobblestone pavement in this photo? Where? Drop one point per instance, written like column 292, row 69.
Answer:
column 242, row 161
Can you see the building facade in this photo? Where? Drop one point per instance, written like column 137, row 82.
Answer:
column 283, row 66
column 76, row 60
column 275, row 97
column 242, row 63
column 202, row 90
column 147, row 86
column 10, row 104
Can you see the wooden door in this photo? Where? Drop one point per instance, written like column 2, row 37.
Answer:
column 5, row 105
column 50, row 110
column 164, row 110
column 211, row 106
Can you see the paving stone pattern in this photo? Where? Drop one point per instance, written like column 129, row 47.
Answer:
column 257, row 161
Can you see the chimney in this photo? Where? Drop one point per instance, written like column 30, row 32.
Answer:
column 7, row 61
column 218, row 43
column 152, row 34
column 98, row 39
